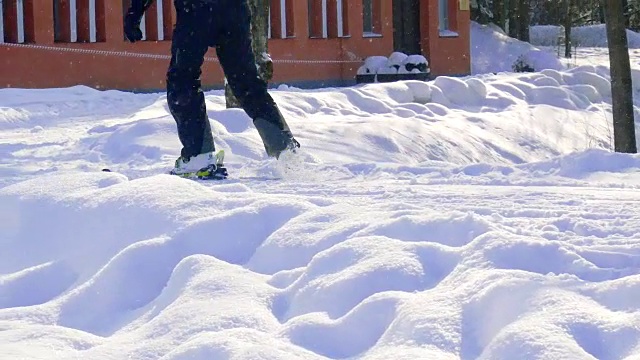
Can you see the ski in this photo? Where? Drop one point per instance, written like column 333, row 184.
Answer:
column 215, row 171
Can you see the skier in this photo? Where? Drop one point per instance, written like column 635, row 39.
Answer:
column 225, row 25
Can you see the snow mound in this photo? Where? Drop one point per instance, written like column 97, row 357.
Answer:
column 168, row 268
column 492, row 51
column 557, row 112
column 396, row 63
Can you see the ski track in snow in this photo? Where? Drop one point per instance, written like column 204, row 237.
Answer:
column 474, row 218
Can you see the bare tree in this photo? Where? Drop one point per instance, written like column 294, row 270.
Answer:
column 524, row 19
column 513, row 18
column 568, row 23
column 259, row 33
column 499, row 10
column 624, row 133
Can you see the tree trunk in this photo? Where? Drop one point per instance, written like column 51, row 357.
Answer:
column 567, row 29
column 259, row 32
column 512, row 15
column 624, row 133
column 498, row 13
column 524, row 20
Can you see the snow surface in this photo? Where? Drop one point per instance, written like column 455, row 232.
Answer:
column 581, row 36
column 464, row 218
column 493, row 51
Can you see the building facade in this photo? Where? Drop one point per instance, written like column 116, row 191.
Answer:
column 59, row 43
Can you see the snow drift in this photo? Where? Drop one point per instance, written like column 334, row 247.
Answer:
column 493, row 51
column 581, row 36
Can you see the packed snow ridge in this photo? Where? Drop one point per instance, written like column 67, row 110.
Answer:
column 464, row 218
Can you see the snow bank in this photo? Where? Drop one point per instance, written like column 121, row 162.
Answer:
column 167, row 268
column 460, row 121
column 581, row 36
column 493, row 51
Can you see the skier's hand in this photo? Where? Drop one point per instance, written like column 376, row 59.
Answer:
column 132, row 26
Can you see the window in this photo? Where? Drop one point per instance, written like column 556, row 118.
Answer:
column 13, row 22
column 447, row 18
column 281, row 24
column 371, row 16
column 328, row 18
column 78, row 21
column 443, row 15
column 1, row 22
column 156, row 22
column 60, row 21
column 318, row 21
column 342, row 16
column 290, row 18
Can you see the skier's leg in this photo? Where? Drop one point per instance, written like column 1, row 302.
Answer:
column 239, row 65
column 184, row 94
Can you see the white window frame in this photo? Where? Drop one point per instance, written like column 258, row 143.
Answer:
column 93, row 28
column 369, row 33
column 1, row 23
column 160, row 22
column 20, row 20
column 283, row 19
column 269, row 23
column 444, row 20
column 443, row 15
column 325, row 22
column 73, row 21
column 365, row 31
column 340, row 17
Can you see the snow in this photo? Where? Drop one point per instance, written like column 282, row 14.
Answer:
column 483, row 217
column 396, row 63
column 581, row 36
column 493, row 51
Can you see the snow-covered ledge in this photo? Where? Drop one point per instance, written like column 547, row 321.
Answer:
column 448, row 33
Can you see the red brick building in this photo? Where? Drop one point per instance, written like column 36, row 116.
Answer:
column 58, row 43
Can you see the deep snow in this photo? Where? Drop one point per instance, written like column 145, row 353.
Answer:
column 474, row 218
column 581, row 36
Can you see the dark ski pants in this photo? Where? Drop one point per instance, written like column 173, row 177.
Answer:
column 225, row 25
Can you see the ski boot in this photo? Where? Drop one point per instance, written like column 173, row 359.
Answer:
column 207, row 166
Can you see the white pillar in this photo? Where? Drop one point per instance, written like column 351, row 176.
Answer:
column 340, row 19
column 93, row 29
column 283, row 18
column 20, row 15
column 324, row 19
column 73, row 20
column 160, row 14
column 1, row 23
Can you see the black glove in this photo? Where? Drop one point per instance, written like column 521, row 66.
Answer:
column 132, row 26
